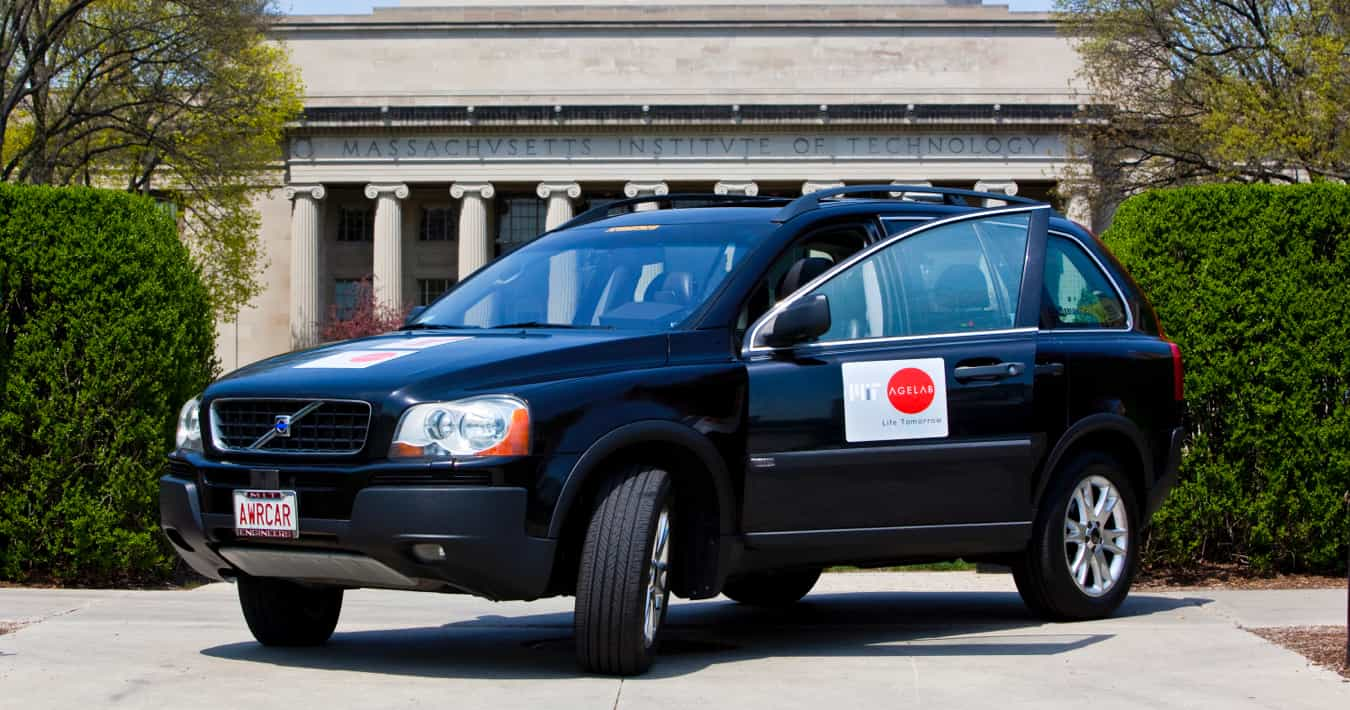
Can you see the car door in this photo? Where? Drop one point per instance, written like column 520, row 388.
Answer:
column 915, row 411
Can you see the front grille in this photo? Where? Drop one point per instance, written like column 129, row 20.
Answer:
column 321, row 494
column 316, row 427
column 433, row 478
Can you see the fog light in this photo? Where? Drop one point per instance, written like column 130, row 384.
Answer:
column 429, row 552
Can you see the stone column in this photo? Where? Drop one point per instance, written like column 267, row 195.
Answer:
column 388, row 261
column 1078, row 207
column 559, row 196
column 1003, row 186
column 646, row 189
column 562, row 268
column 305, row 240
column 914, row 183
column 475, row 240
column 736, row 187
column 811, row 186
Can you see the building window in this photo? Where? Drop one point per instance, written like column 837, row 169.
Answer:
column 429, row 290
column 438, row 224
column 346, row 292
column 519, row 221
column 355, row 224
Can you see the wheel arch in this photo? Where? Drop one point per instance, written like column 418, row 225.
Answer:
column 1111, row 433
column 700, row 476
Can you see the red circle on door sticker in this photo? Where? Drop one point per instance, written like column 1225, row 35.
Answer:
column 910, row 390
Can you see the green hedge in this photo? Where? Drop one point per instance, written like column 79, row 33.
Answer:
column 105, row 330
column 1253, row 281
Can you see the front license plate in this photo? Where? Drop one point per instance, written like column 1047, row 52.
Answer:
column 266, row 514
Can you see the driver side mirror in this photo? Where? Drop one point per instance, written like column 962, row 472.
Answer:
column 801, row 322
column 413, row 313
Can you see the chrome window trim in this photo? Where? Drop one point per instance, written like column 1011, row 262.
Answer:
column 1110, row 278
column 748, row 348
column 218, row 446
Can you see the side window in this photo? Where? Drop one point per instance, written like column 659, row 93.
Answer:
column 1077, row 294
column 825, row 249
column 958, row 277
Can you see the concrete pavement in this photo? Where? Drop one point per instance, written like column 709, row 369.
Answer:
column 894, row 640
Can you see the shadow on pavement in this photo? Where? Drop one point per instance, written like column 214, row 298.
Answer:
column 696, row 635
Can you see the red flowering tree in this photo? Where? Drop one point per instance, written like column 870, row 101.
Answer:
column 367, row 316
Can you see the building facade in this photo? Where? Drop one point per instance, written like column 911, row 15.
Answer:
column 442, row 133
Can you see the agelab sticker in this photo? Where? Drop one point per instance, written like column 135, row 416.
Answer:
column 354, row 359
column 420, row 343
column 895, row 399
column 388, row 349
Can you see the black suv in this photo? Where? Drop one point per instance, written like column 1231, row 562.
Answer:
column 721, row 395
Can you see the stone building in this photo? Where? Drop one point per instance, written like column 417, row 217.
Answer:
column 442, row 133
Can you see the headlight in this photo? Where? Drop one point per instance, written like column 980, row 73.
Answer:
column 495, row 425
column 190, row 426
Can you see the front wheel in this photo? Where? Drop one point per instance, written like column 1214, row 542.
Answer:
column 1083, row 552
column 623, row 582
column 281, row 613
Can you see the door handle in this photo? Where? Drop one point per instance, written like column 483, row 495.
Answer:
column 1049, row 369
column 989, row 372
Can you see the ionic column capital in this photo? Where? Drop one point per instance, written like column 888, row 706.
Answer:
column 484, row 190
column 546, row 190
column 1003, row 186
column 399, row 191
column 811, row 186
column 736, row 187
column 643, row 189
column 316, row 192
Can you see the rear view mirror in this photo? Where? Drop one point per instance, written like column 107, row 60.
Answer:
column 800, row 322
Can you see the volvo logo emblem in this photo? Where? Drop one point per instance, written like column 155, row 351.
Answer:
column 282, row 423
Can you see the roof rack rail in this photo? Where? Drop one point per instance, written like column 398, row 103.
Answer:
column 595, row 214
column 949, row 195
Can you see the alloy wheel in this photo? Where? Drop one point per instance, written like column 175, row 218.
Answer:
column 1096, row 536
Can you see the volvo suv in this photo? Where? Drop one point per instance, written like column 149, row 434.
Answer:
column 723, row 395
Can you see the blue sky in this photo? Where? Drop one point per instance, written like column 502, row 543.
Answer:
column 339, row 7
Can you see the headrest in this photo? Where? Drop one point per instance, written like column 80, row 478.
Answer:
column 675, row 287
column 802, row 273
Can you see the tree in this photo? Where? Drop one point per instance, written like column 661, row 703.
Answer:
column 183, row 99
column 1196, row 90
column 366, row 317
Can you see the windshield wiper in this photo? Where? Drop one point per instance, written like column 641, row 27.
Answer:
column 541, row 324
column 437, row 326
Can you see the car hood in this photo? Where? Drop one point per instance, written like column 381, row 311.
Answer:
column 423, row 365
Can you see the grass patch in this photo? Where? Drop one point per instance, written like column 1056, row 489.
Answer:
column 947, row 566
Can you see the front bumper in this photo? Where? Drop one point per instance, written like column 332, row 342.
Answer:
column 481, row 529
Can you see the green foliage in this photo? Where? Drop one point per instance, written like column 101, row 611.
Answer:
column 184, row 99
column 1196, row 89
column 1253, row 282
column 105, row 330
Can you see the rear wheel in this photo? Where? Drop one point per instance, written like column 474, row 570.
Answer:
column 1082, row 557
column 281, row 613
column 623, row 582
column 771, row 588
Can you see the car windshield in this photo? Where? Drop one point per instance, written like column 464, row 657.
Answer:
column 634, row 277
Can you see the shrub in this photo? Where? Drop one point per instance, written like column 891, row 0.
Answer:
column 367, row 317
column 105, row 330
column 1253, row 281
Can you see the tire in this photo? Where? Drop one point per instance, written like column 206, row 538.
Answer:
column 281, row 613
column 622, row 586
column 1053, row 580
column 771, row 588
